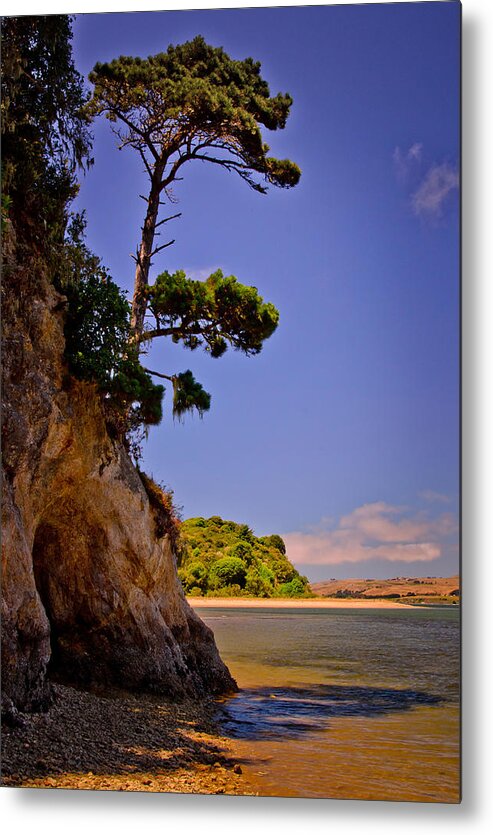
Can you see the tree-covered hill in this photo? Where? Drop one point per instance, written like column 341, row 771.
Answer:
column 225, row 559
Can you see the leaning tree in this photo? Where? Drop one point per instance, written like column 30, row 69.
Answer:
column 193, row 102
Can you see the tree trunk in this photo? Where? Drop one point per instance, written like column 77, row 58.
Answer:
column 139, row 301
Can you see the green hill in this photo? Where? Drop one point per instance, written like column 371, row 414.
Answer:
column 225, row 559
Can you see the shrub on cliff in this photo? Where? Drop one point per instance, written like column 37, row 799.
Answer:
column 166, row 514
column 97, row 329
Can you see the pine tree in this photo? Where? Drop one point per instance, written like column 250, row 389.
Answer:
column 192, row 102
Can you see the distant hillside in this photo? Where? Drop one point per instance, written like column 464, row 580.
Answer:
column 413, row 589
column 220, row 558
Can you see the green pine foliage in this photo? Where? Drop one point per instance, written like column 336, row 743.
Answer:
column 211, row 313
column 194, row 102
column 220, row 558
column 188, row 394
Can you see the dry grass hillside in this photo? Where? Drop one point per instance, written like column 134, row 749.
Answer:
column 412, row 589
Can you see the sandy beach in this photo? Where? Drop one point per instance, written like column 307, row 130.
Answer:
column 288, row 603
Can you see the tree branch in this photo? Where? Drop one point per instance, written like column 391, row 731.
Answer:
column 136, row 258
column 225, row 162
column 158, row 374
column 143, row 157
column 146, row 335
column 140, row 133
column 165, row 220
column 159, row 248
column 174, row 170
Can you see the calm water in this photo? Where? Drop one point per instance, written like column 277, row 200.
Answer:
column 344, row 703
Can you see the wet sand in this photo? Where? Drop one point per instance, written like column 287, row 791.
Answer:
column 289, row 603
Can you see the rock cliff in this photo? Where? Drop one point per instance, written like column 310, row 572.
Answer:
column 89, row 588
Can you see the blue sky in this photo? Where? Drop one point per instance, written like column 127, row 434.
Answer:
column 342, row 435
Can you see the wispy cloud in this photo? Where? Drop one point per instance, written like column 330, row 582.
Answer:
column 432, row 496
column 429, row 198
column 406, row 161
column 373, row 531
column 429, row 186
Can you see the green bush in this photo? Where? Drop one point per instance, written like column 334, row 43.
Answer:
column 228, row 571
column 193, row 577
column 227, row 591
column 96, row 328
column 274, row 541
column 284, row 571
column 293, row 589
column 244, row 532
column 198, row 572
column 243, row 551
column 266, row 574
column 256, row 585
column 134, row 392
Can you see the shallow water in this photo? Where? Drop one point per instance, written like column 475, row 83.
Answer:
column 359, row 704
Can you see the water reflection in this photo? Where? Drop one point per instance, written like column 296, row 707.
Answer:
column 274, row 712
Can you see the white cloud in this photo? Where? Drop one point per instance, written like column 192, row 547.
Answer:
column 428, row 188
column 373, row 531
column 438, row 184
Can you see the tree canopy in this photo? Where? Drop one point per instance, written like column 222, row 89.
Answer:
column 194, row 102
column 211, row 313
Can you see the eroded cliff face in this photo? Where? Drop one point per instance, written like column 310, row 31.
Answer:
column 89, row 590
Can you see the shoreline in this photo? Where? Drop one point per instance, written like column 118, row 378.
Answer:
column 121, row 741
column 293, row 603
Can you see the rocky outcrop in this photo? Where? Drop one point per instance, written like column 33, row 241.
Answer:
column 89, row 588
